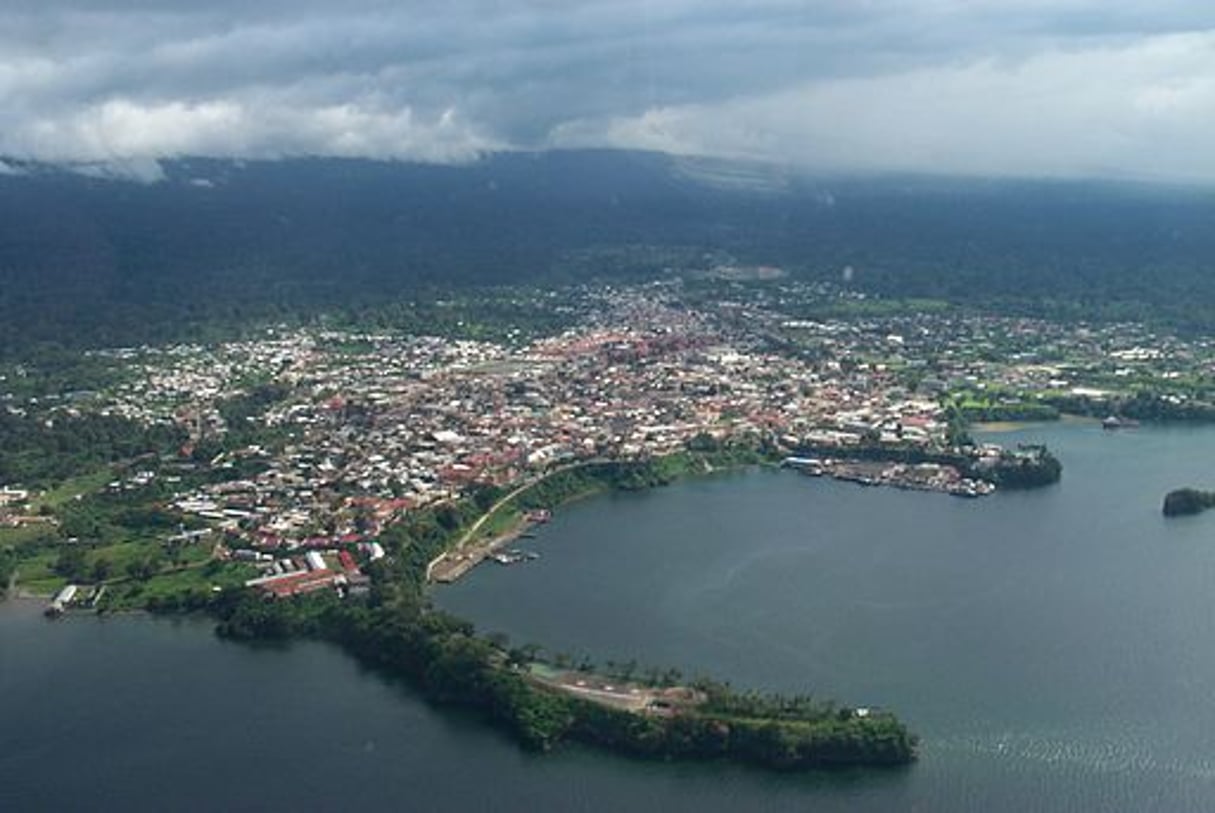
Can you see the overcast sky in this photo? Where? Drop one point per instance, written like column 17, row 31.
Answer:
column 1122, row 88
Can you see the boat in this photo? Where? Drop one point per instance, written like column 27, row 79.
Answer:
column 1114, row 422
column 514, row 556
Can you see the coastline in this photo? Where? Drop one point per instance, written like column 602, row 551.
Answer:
column 1005, row 427
column 454, row 564
column 18, row 594
column 457, row 562
column 449, row 663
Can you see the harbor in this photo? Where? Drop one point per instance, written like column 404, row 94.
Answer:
column 454, row 564
column 936, row 477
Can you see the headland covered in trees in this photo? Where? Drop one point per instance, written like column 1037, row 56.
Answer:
column 650, row 713
column 643, row 713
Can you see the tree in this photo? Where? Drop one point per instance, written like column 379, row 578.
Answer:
column 101, row 569
column 144, row 568
column 521, row 656
column 8, row 565
column 703, row 442
column 70, row 563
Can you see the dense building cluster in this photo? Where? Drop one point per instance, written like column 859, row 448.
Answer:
column 343, row 432
column 375, row 425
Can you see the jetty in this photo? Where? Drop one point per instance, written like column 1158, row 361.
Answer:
column 61, row 601
column 454, row 564
column 927, row 476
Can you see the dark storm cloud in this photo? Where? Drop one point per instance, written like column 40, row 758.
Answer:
column 841, row 84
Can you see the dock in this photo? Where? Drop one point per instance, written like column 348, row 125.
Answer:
column 944, row 479
column 451, row 567
column 455, row 564
column 61, row 601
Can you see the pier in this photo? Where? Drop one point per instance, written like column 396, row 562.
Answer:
column 454, row 564
column 908, row 476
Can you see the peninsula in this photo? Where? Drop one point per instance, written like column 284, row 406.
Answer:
column 542, row 702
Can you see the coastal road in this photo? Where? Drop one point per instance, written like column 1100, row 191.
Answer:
column 475, row 557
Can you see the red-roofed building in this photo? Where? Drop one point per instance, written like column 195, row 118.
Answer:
column 295, row 584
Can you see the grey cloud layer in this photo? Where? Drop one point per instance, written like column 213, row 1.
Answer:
column 1003, row 86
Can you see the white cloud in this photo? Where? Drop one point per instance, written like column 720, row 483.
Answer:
column 1040, row 87
column 124, row 130
column 1139, row 110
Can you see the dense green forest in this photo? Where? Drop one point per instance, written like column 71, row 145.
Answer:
column 218, row 245
column 442, row 657
column 39, row 451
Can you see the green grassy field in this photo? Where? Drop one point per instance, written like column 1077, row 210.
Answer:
column 72, row 488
